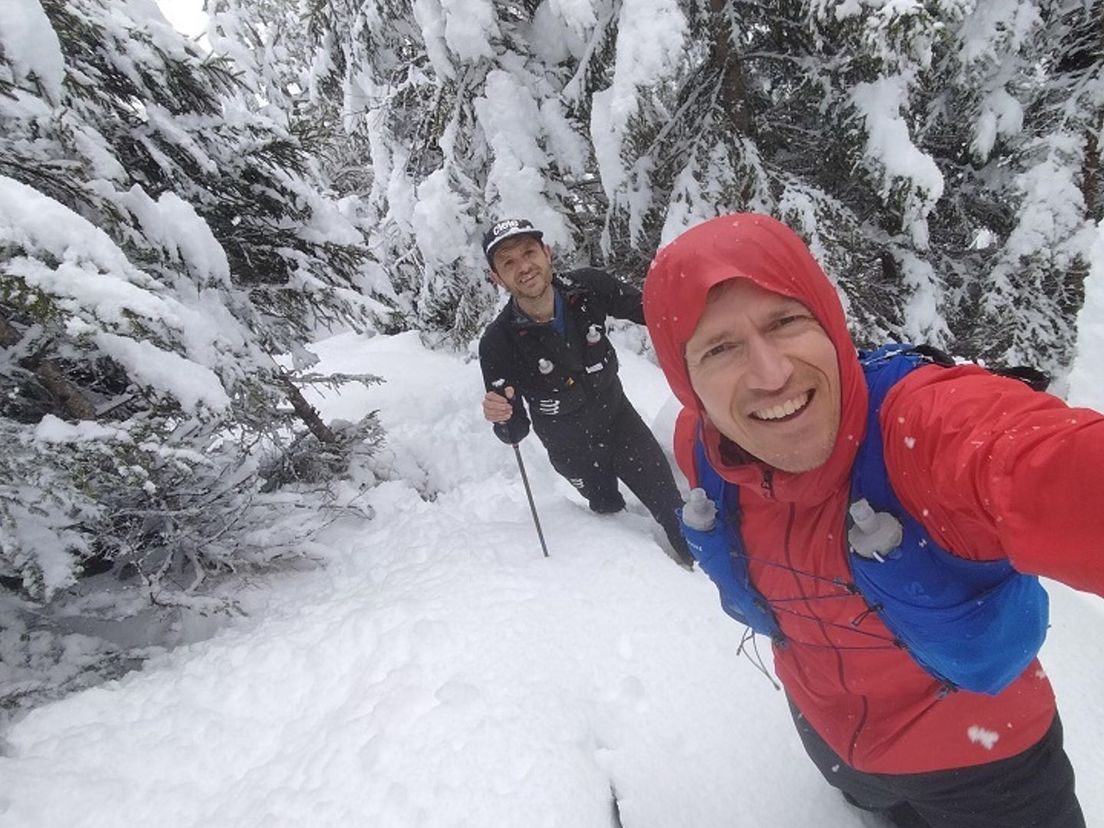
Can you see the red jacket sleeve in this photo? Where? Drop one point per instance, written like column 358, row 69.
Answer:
column 993, row 469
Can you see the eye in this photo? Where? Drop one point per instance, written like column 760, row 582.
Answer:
column 790, row 320
column 716, row 350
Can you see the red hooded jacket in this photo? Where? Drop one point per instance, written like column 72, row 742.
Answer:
column 989, row 467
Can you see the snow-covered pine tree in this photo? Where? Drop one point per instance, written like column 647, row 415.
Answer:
column 908, row 141
column 288, row 71
column 914, row 144
column 1037, row 137
column 161, row 244
column 466, row 116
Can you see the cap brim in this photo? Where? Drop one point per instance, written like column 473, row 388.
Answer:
column 518, row 231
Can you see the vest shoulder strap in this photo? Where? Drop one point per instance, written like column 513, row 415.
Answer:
column 972, row 624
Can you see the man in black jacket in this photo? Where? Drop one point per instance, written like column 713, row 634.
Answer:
column 549, row 347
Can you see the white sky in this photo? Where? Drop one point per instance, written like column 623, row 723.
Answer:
column 187, row 15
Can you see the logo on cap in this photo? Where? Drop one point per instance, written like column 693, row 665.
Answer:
column 506, row 229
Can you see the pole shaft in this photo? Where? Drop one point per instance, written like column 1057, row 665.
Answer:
column 529, row 494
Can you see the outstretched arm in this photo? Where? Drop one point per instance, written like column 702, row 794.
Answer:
column 993, row 469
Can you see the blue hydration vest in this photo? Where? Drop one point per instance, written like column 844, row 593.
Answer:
column 974, row 625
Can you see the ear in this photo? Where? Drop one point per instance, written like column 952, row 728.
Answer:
column 547, row 251
column 495, row 278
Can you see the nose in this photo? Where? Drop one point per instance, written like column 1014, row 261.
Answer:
column 768, row 369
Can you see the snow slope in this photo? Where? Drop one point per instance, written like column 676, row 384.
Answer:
column 441, row 672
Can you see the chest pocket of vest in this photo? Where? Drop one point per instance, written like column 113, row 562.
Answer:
column 596, row 349
column 583, row 364
column 975, row 624
column 600, row 363
column 556, row 393
column 599, row 359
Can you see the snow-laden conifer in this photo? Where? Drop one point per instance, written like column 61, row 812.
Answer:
column 162, row 243
column 941, row 158
column 463, row 112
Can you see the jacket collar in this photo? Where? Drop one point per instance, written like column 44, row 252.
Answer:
column 519, row 319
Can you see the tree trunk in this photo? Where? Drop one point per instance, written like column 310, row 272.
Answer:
column 54, row 381
column 307, row 413
column 728, row 64
column 1090, row 177
column 51, row 377
column 8, row 335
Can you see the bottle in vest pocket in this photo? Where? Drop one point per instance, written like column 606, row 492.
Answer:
column 873, row 534
column 699, row 512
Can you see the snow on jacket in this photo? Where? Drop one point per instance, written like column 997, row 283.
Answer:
column 569, row 382
column 989, row 467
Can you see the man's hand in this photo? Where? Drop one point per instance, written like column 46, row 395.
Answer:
column 506, row 412
column 498, row 408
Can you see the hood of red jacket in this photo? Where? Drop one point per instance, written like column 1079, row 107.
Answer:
column 766, row 252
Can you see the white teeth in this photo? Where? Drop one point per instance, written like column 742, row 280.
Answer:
column 777, row 412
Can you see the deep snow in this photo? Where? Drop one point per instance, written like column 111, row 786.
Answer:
column 440, row 672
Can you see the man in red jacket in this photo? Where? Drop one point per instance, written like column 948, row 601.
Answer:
column 754, row 342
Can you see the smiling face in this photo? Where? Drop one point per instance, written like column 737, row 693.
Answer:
column 767, row 375
column 523, row 265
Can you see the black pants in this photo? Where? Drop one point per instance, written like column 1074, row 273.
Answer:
column 1033, row 789
column 627, row 450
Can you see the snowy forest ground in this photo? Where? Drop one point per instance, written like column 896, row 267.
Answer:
column 438, row 671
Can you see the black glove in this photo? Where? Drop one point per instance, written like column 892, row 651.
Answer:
column 513, row 431
column 516, row 429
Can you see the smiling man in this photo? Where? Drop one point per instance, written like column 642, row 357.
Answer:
column 549, row 348
column 785, row 412
column 880, row 516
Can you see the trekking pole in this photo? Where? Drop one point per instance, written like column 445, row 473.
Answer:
column 499, row 385
column 529, row 494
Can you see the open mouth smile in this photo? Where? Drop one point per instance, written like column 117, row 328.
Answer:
column 784, row 411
